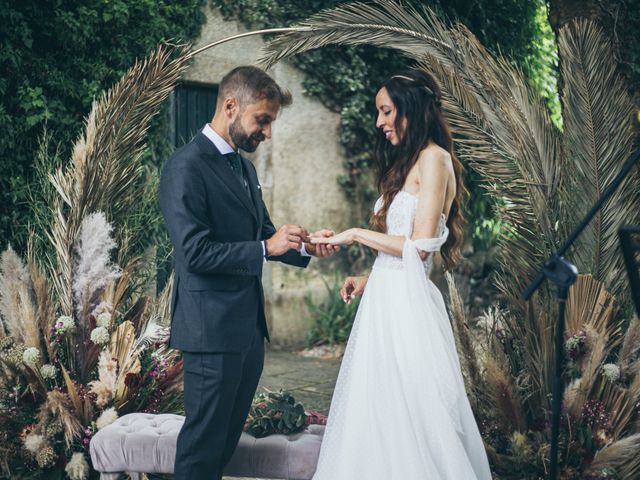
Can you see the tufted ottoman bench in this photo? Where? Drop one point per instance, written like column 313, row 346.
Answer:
column 145, row 443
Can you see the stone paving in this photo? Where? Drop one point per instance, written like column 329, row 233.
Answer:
column 309, row 380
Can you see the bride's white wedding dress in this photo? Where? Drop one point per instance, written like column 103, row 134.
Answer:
column 399, row 409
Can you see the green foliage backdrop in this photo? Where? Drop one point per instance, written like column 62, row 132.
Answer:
column 55, row 57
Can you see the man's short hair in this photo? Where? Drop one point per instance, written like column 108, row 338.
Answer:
column 249, row 85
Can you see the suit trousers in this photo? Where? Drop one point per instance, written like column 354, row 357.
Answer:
column 218, row 391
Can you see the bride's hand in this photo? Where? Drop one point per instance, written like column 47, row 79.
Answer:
column 321, row 249
column 353, row 287
column 343, row 238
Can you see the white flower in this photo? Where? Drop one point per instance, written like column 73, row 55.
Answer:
column 31, row 356
column 107, row 418
column 572, row 343
column 33, row 442
column 100, row 335
column 611, row 372
column 64, row 324
column 104, row 320
column 48, row 371
column 77, row 468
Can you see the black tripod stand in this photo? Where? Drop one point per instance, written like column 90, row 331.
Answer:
column 563, row 274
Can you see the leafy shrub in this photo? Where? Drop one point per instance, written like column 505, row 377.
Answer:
column 333, row 318
column 56, row 57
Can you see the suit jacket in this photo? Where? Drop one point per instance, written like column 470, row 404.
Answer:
column 216, row 230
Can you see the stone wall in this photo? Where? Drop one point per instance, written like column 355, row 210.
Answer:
column 297, row 168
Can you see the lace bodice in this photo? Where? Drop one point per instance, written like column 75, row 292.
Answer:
column 400, row 219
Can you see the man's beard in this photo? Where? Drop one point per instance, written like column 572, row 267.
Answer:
column 246, row 142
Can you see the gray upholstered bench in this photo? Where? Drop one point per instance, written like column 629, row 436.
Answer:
column 145, row 443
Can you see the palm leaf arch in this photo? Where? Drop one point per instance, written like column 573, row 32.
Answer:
column 502, row 127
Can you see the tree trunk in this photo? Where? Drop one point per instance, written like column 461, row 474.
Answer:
column 620, row 22
column 562, row 12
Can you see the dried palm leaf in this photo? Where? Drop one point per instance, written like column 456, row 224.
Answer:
column 123, row 395
column 599, row 137
column 162, row 309
column 45, row 308
column 384, row 23
column 57, row 409
column 503, row 395
column 532, row 357
column 589, row 303
column 152, row 333
column 125, row 289
column 138, row 314
column 121, row 348
column 622, row 456
column 630, row 346
column 122, row 341
column 582, row 388
column 621, row 405
column 74, row 396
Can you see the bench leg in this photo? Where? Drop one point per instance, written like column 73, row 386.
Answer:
column 109, row 476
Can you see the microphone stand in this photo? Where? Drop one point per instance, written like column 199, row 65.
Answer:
column 563, row 274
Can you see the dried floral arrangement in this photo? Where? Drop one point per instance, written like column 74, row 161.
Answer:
column 83, row 336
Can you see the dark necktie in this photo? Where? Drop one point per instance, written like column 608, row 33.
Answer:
column 235, row 163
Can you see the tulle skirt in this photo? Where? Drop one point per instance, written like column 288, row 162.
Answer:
column 399, row 409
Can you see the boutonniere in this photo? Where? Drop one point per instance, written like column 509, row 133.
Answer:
column 259, row 187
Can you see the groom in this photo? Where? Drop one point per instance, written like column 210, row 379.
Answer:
column 221, row 234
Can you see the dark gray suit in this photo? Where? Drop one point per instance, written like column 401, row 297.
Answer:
column 218, row 318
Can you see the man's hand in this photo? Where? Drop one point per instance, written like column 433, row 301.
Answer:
column 286, row 238
column 321, row 250
column 353, row 287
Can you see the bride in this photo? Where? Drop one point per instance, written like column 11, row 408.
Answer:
column 399, row 410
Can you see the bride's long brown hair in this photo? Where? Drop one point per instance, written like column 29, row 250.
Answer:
column 417, row 97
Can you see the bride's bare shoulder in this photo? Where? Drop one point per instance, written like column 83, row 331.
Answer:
column 434, row 158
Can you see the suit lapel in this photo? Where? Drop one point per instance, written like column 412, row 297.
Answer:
column 221, row 168
column 255, row 194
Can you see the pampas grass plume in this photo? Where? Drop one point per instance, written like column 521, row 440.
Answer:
column 94, row 269
column 77, row 468
column 16, row 304
column 106, row 418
